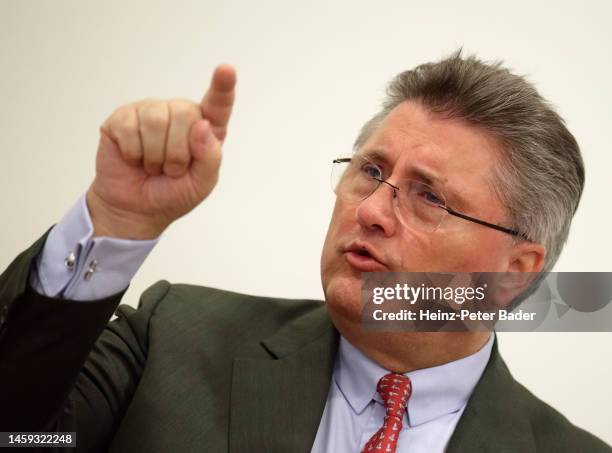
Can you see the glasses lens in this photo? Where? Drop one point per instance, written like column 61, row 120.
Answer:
column 420, row 206
column 353, row 179
column 417, row 205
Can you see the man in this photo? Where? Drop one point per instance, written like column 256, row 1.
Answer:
column 198, row 369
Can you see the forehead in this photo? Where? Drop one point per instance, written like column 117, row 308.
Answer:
column 463, row 157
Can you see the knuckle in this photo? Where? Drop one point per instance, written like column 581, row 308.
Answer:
column 119, row 112
column 124, row 129
column 183, row 111
column 131, row 153
column 182, row 116
column 154, row 116
column 122, row 122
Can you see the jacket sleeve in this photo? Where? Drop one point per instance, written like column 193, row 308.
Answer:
column 64, row 367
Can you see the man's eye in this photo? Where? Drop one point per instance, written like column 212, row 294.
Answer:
column 430, row 197
column 372, row 171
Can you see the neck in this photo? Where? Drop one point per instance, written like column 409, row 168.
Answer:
column 402, row 352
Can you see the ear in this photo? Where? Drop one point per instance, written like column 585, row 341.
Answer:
column 525, row 261
column 526, row 257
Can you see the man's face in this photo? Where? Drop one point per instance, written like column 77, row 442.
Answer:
column 412, row 141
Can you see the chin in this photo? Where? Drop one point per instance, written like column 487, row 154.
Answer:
column 343, row 298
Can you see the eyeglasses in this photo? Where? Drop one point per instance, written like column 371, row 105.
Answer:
column 417, row 205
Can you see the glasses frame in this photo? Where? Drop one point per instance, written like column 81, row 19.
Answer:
column 449, row 210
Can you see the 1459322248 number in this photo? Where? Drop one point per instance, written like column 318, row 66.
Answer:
column 40, row 439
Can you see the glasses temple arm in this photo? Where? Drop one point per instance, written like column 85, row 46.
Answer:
column 482, row 222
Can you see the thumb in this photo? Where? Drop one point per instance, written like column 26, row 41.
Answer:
column 205, row 151
column 216, row 106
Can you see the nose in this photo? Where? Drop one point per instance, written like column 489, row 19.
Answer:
column 376, row 211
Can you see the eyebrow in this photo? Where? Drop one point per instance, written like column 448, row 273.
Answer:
column 429, row 178
column 424, row 175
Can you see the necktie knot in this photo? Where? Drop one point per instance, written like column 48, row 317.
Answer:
column 394, row 389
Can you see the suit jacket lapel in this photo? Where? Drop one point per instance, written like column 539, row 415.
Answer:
column 279, row 388
column 495, row 419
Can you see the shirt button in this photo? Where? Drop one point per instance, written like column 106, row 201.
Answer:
column 93, row 267
column 70, row 261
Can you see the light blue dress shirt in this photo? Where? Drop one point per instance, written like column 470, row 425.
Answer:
column 354, row 411
column 74, row 265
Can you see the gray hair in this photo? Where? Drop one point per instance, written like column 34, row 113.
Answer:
column 541, row 177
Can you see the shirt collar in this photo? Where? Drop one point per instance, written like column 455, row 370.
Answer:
column 436, row 391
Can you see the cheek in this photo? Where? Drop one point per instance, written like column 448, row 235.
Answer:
column 415, row 251
column 342, row 289
column 462, row 253
column 329, row 247
column 341, row 285
column 433, row 252
column 339, row 227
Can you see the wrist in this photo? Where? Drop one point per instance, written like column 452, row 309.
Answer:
column 110, row 221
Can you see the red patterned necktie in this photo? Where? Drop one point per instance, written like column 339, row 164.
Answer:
column 394, row 389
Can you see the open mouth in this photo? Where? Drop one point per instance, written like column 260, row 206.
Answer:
column 363, row 261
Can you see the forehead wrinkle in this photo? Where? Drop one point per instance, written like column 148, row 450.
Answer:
column 432, row 140
column 398, row 136
column 455, row 197
column 410, row 168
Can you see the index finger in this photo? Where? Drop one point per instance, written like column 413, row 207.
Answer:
column 218, row 101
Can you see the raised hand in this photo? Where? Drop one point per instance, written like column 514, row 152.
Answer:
column 158, row 159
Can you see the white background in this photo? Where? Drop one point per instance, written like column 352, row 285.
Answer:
column 310, row 73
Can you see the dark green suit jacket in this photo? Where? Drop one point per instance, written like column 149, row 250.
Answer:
column 196, row 369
